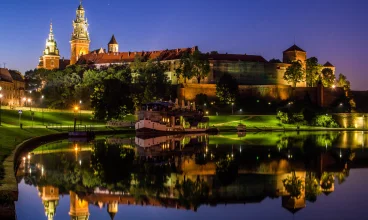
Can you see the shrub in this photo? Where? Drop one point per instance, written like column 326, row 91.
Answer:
column 325, row 121
column 289, row 117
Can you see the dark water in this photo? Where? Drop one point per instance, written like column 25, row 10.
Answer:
column 256, row 176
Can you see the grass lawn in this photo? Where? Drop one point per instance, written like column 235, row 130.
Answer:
column 11, row 135
column 251, row 121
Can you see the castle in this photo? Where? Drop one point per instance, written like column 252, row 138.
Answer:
column 249, row 70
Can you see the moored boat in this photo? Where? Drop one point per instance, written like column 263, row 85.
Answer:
column 169, row 117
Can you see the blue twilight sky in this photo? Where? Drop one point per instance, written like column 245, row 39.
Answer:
column 331, row 30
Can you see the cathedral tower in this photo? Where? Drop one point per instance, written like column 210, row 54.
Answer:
column 80, row 37
column 50, row 200
column 50, row 58
column 113, row 46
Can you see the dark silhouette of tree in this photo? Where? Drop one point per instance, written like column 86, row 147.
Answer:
column 312, row 71
column 227, row 88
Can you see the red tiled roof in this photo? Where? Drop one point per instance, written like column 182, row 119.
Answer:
column 17, row 76
column 328, row 64
column 63, row 63
column 5, row 75
column 293, row 48
column 236, row 57
column 100, row 58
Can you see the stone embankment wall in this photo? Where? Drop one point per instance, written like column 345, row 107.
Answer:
column 318, row 95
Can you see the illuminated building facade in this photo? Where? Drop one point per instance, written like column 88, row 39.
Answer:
column 12, row 87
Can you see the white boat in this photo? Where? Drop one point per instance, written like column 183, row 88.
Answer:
column 169, row 117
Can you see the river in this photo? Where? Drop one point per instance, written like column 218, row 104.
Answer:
column 288, row 175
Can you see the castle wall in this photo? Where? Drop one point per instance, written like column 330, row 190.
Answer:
column 188, row 92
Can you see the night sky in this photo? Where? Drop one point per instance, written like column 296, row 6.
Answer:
column 331, row 30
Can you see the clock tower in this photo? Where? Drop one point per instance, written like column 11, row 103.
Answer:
column 80, row 37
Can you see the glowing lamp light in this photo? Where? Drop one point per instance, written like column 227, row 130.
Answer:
column 76, row 108
column 24, row 99
column 333, row 86
column 29, row 156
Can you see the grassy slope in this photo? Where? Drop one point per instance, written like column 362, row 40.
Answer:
column 262, row 121
column 11, row 135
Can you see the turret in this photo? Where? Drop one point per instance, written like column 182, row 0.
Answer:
column 113, row 46
column 294, row 53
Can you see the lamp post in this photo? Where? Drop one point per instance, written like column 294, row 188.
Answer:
column 75, row 117
column 42, row 108
column 232, row 108
column 30, row 104
column 30, row 109
column 24, row 101
column 80, row 111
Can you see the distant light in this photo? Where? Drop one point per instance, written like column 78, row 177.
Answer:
column 340, row 104
column 42, row 97
column 333, row 86
column 241, row 110
column 80, row 101
column 269, row 103
column 29, row 156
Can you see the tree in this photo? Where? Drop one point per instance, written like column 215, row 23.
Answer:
column 294, row 73
column 194, row 64
column 274, row 60
column 111, row 98
column 328, row 78
column 35, row 78
column 201, row 99
column 151, row 81
column 343, row 82
column 312, row 71
column 227, row 89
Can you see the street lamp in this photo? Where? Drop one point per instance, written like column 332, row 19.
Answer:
column 30, row 104
column 76, row 108
column 42, row 97
column 232, row 108
column 30, row 108
column 80, row 111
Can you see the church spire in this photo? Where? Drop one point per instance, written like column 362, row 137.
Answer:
column 80, row 37
column 51, row 34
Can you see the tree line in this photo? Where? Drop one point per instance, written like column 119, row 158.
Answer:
column 314, row 73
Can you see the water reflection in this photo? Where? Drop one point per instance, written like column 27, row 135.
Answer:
column 188, row 171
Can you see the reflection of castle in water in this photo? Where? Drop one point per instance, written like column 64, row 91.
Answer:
column 190, row 161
